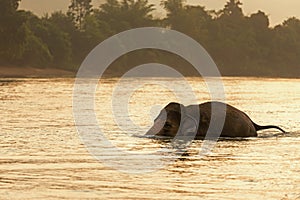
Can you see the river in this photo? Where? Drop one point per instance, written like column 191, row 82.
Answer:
column 43, row 157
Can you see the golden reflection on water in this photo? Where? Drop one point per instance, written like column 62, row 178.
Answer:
column 41, row 155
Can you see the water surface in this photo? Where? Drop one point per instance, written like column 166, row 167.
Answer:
column 42, row 156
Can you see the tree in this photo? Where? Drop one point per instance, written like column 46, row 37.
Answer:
column 35, row 51
column 117, row 16
column 259, row 20
column 63, row 22
column 13, row 32
column 126, row 14
column 8, row 7
column 95, row 30
column 191, row 20
column 175, row 14
column 173, row 6
column 48, row 38
column 258, row 24
column 286, row 47
column 232, row 8
column 78, row 10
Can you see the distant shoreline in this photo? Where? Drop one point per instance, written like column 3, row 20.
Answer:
column 32, row 72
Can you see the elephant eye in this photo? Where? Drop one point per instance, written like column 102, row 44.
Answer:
column 168, row 125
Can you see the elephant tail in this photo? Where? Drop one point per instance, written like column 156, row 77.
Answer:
column 258, row 127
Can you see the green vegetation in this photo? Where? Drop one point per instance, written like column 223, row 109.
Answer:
column 240, row 45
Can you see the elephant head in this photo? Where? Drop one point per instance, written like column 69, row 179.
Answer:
column 174, row 120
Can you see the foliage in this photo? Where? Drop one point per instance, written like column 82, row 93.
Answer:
column 126, row 14
column 13, row 32
column 240, row 44
column 8, row 7
column 78, row 10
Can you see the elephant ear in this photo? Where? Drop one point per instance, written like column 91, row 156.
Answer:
column 188, row 127
column 162, row 116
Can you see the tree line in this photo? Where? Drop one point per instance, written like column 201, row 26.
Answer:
column 239, row 44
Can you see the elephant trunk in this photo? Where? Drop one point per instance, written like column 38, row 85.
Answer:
column 157, row 127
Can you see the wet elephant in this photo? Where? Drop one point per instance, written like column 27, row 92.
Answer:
column 177, row 118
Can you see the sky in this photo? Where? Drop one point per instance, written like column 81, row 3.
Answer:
column 277, row 10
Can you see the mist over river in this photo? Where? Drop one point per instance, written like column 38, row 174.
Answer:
column 42, row 156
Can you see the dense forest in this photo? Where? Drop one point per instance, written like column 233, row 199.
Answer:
column 239, row 44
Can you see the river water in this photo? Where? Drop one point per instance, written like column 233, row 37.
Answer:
column 43, row 157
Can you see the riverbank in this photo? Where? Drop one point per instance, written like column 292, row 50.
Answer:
column 30, row 72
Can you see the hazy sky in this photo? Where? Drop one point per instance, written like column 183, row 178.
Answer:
column 278, row 10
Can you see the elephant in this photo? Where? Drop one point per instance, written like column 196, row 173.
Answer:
column 176, row 119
